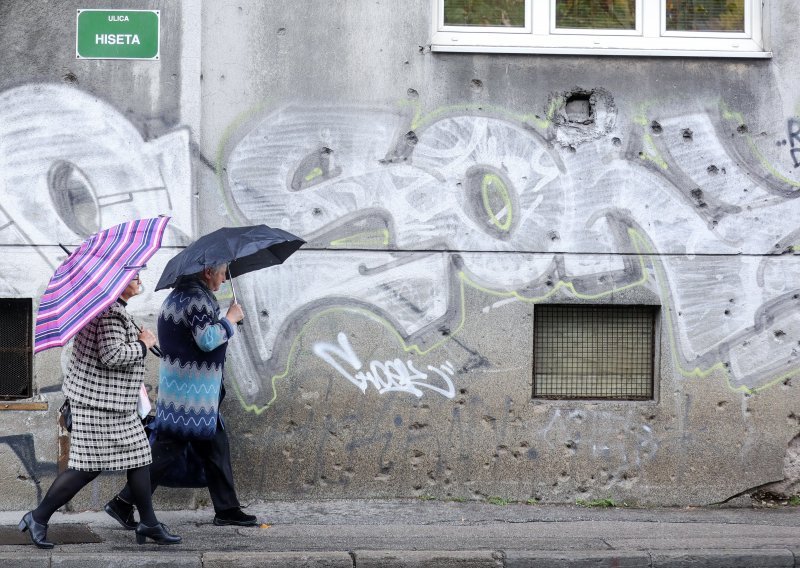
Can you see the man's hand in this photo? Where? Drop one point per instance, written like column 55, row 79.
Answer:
column 235, row 313
column 148, row 338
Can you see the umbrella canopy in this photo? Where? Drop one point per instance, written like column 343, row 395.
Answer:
column 243, row 249
column 93, row 277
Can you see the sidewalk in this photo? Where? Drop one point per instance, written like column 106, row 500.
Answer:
column 391, row 533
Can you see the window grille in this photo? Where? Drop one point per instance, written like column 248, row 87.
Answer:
column 593, row 352
column 16, row 348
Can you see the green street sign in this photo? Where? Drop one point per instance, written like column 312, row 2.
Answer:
column 117, row 34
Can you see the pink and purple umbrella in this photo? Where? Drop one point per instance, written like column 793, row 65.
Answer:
column 93, row 277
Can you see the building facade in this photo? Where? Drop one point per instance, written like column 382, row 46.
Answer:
column 551, row 257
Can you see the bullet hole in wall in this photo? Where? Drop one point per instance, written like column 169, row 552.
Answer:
column 580, row 115
column 697, row 195
column 578, row 108
column 476, row 85
column 412, row 94
column 656, row 128
column 687, row 134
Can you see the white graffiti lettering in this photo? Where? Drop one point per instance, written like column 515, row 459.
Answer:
column 386, row 376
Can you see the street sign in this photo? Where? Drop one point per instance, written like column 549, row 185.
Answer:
column 117, row 34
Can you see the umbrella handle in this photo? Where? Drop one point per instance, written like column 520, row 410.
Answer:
column 155, row 349
column 230, row 279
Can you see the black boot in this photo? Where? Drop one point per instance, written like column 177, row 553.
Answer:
column 159, row 533
column 121, row 512
column 37, row 531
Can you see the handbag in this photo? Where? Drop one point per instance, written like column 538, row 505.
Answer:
column 187, row 468
column 66, row 415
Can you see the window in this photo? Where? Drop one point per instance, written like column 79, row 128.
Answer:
column 593, row 352
column 16, row 348
column 710, row 28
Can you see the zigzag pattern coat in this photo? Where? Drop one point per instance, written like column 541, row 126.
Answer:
column 194, row 340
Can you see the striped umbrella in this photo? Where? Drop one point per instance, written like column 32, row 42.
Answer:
column 93, row 277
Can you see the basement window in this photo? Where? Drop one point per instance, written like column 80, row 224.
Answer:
column 16, row 348
column 594, row 351
column 700, row 28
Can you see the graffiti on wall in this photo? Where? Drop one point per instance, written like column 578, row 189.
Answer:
column 683, row 208
column 387, row 376
column 410, row 210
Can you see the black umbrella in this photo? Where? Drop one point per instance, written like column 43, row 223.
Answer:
column 243, row 249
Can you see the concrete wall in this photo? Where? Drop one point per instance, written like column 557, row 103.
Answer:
column 392, row 356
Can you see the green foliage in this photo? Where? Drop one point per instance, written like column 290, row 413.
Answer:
column 426, row 497
column 794, row 500
column 596, row 14
column 532, row 501
column 596, row 503
column 507, row 13
column 494, row 500
column 705, row 15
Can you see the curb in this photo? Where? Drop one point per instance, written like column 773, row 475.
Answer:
column 171, row 558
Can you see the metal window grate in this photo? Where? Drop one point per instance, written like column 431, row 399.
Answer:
column 16, row 348
column 593, row 352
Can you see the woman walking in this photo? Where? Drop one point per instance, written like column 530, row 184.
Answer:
column 102, row 385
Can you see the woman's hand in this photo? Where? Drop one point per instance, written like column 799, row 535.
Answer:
column 148, row 338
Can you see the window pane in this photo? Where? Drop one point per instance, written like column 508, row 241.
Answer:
column 705, row 15
column 596, row 14
column 503, row 13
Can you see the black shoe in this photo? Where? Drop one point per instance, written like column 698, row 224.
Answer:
column 236, row 517
column 38, row 532
column 159, row 533
column 121, row 512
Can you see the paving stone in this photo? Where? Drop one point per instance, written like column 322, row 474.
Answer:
column 427, row 559
column 571, row 559
column 167, row 557
column 34, row 559
column 762, row 558
column 277, row 560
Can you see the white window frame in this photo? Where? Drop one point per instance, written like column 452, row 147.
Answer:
column 650, row 38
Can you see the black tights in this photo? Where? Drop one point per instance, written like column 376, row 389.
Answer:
column 70, row 481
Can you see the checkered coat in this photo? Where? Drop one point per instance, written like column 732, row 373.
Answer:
column 102, row 385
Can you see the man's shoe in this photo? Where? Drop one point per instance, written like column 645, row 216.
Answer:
column 121, row 512
column 235, row 517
